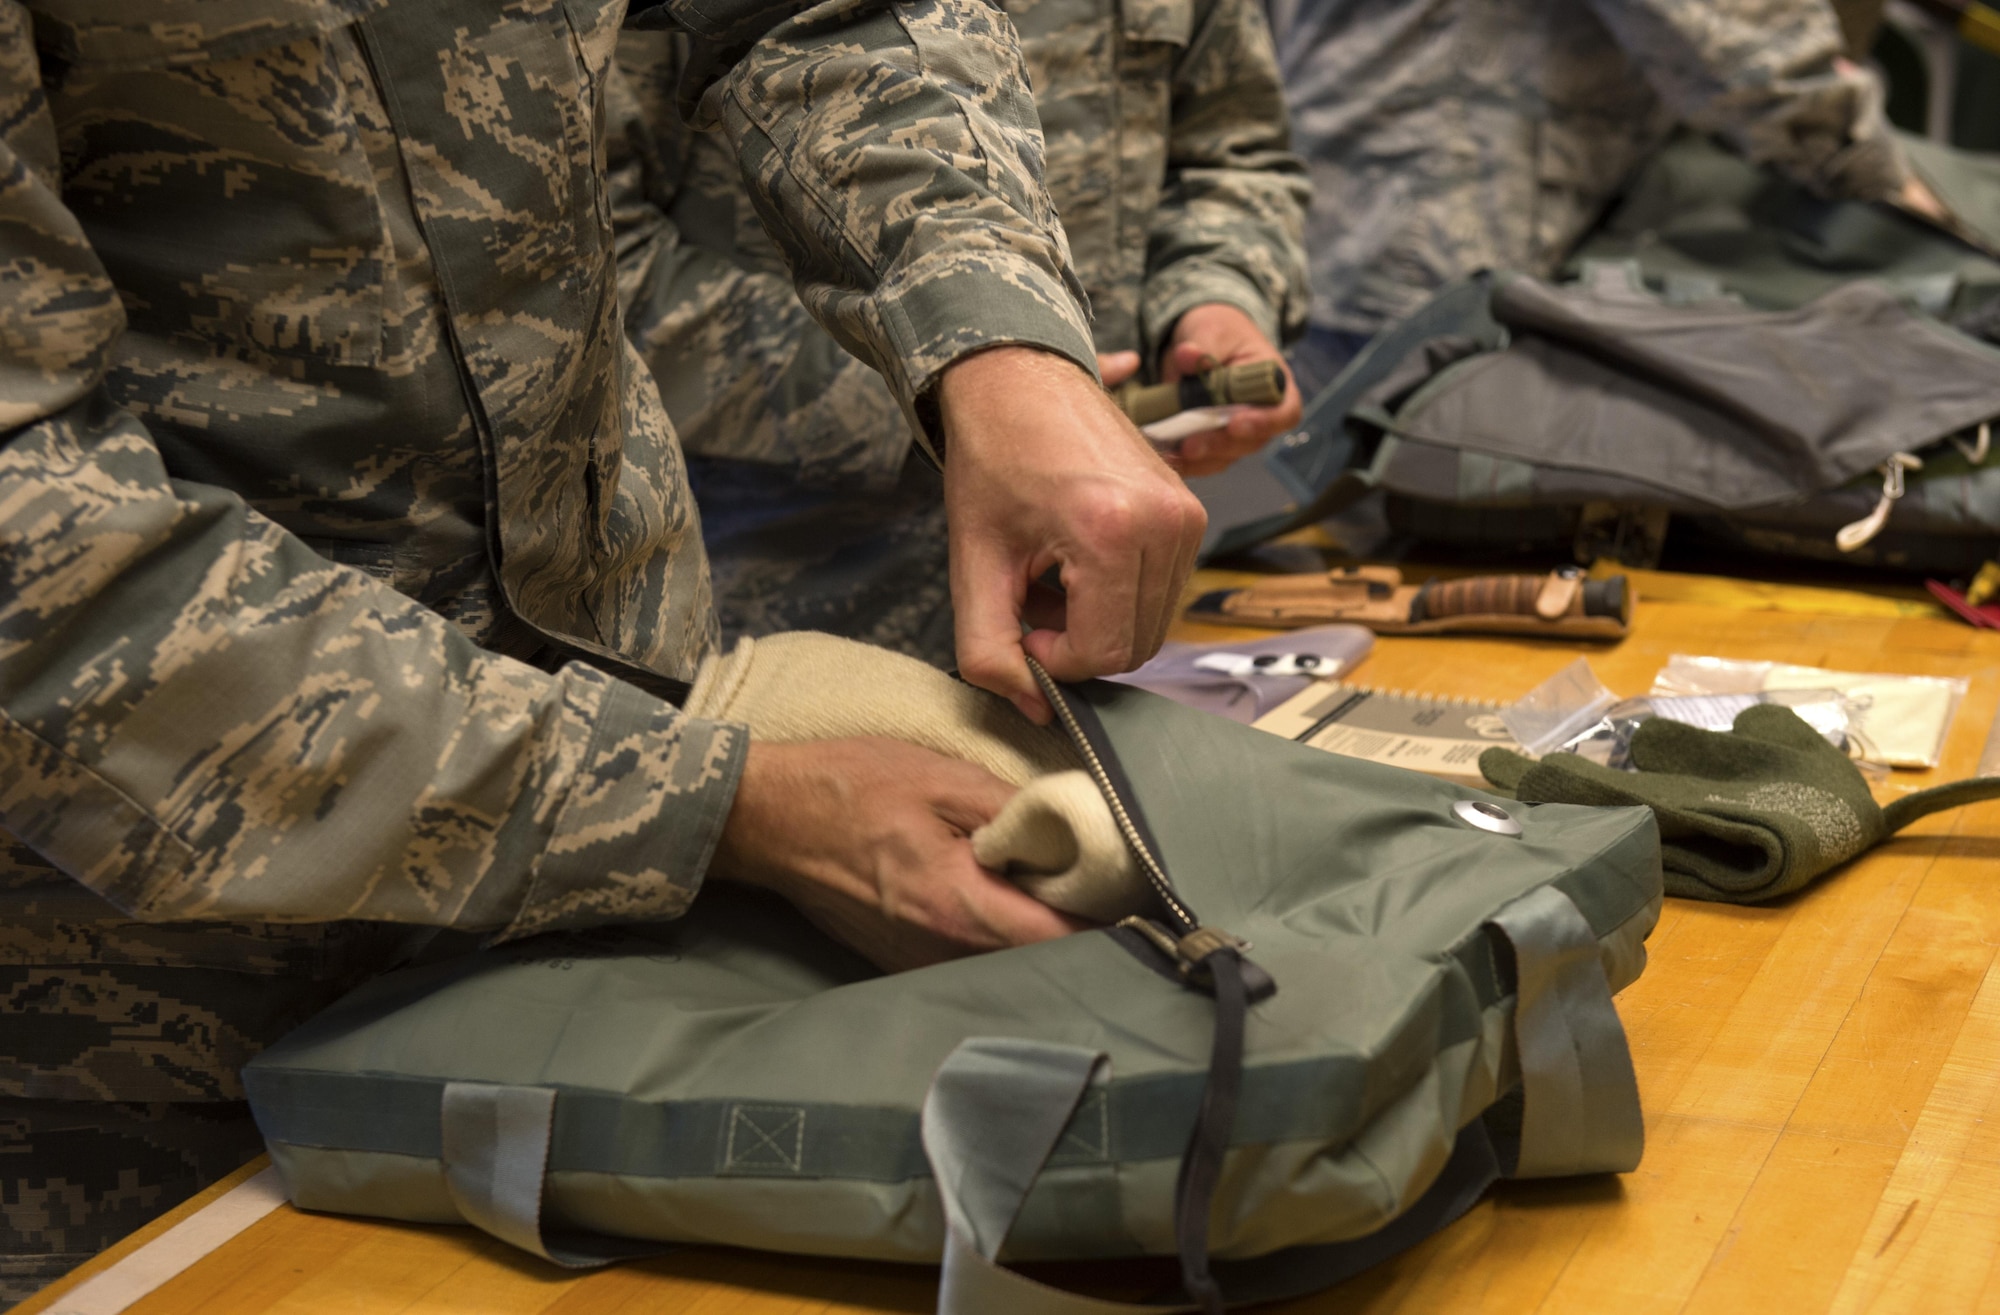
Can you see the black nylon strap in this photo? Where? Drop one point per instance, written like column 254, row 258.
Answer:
column 1201, row 1164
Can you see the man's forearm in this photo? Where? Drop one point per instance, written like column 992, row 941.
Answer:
column 201, row 718
column 919, row 236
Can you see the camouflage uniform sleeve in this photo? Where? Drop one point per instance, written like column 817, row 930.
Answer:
column 747, row 375
column 745, row 372
column 895, row 154
column 1765, row 75
column 200, row 718
column 1231, row 221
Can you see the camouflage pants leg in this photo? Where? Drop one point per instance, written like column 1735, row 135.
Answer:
column 75, row 1176
column 120, row 1047
column 868, row 564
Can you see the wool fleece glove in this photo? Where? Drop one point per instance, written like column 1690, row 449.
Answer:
column 1745, row 815
column 1055, row 839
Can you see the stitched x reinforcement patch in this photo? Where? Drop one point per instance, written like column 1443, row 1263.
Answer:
column 765, row 1139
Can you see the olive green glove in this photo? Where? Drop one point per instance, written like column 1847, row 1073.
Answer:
column 1745, row 816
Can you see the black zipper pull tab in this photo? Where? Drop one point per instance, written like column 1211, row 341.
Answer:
column 1190, row 955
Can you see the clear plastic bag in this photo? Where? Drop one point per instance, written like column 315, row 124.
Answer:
column 1898, row 721
column 1609, row 741
column 1572, row 711
column 1558, row 710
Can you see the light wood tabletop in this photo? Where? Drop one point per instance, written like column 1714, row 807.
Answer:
column 1818, row 1075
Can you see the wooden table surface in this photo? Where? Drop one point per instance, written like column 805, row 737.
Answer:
column 1818, row 1076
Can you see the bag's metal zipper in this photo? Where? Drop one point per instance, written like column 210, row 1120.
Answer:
column 1149, row 864
column 1206, row 959
column 1186, row 944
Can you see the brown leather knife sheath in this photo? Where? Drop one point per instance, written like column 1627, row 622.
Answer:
column 1562, row 603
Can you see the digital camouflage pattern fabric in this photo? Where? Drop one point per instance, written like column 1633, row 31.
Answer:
column 787, row 396
column 844, row 559
column 75, row 1177
column 1169, row 165
column 332, row 495
column 1449, row 136
column 120, row 1043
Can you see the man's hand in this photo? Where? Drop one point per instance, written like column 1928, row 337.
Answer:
column 1219, row 334
column 1043, row 470
column 869, row 839
column 1917, row 198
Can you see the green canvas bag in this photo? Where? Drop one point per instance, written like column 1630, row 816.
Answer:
column 1364, row 995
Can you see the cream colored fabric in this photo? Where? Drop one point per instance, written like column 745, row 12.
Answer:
column 791, row 688
column 1056, row 839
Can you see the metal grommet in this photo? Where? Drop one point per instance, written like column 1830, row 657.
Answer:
column 1487, row 817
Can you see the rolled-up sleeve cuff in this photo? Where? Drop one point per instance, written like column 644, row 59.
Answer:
column 953, row 305
column 640, row 819
column 1175, row 291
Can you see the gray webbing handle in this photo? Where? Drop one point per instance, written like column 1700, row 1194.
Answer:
column 998, row 1106
column 994, row 1113
column 992, row 1117
column 495, row 1148
column 1581, row 1097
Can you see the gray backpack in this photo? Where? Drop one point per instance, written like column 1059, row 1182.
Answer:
column 1364, row 996
column 1762, row 368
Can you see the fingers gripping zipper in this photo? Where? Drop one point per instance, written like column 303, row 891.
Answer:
column 1149, row 863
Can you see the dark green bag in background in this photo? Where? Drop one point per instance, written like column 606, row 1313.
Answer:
column 1763, row 367
column 1364, row 995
